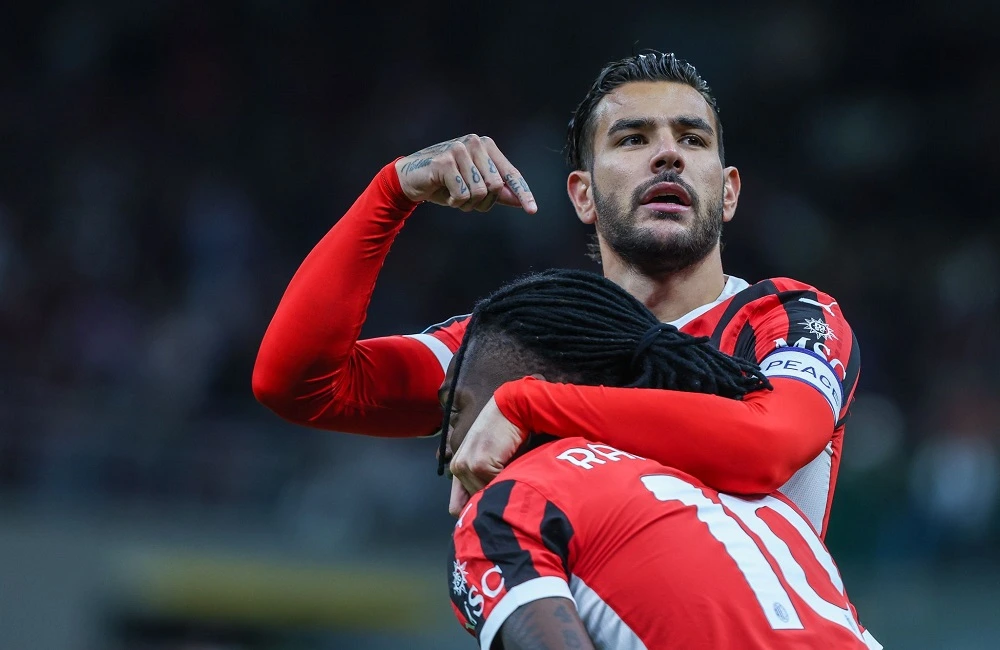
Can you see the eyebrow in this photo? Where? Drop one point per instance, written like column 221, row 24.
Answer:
column 647, row 123
column 632, row 124
column 692, row 122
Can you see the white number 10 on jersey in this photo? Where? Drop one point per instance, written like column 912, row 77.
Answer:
column 749, row 557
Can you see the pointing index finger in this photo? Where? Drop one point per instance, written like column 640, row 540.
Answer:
column 519, row 194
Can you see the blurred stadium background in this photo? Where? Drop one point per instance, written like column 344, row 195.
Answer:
column 164, row 166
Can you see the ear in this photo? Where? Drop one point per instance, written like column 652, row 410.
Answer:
column 731, row 193
column 580, row 191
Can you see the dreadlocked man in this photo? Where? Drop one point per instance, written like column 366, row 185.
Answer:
column 582, row 329
column 581, row 545
column 648, row 171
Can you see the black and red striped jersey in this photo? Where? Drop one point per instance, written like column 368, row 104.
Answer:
column 792, row 330
column 312, row 370
column 650, row 556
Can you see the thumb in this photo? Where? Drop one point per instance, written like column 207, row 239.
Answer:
column 459, row 498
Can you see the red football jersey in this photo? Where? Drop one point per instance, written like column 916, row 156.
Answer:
column 313, row 370
column 792, row 330
column 651, row 557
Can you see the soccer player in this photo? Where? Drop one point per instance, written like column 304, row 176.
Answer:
column 648, row 171
column 581, row 545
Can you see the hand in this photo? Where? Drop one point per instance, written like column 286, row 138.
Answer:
column 469, row 173
column 490, row 443
column 459, row 498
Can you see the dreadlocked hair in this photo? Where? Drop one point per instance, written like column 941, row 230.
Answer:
column 582, row 328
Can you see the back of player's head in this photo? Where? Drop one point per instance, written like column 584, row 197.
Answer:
column 648, row 66
column 579, row 327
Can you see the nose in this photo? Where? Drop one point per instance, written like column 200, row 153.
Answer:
column 668, row 156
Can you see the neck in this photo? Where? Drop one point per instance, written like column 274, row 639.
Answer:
column 672, row 294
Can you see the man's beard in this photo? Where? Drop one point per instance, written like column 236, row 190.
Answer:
column 645, row 251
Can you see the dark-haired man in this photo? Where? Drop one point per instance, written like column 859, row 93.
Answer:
column 581, row 545
column 648, row 171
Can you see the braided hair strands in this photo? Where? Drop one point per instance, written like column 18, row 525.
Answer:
column 588, row 330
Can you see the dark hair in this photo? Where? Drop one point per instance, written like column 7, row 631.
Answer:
column 648, row 66
column 580, row 327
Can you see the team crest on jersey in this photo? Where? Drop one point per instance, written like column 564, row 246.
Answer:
column 818, row 328
column 458, row 574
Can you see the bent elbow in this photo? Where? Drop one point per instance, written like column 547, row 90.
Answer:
column 293, row 397
column 265, row 389
column 272, row 388
column 769, row 479
column 756, row 474
column 771, row 473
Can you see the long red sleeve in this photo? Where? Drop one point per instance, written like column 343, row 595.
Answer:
column 751, row 446
column 311, row 368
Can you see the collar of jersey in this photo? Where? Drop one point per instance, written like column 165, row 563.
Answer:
column 732, row 287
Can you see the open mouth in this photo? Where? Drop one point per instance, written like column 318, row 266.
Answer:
column 667, row 198
column 667, row 194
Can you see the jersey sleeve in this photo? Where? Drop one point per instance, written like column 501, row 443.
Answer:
column 509, row 548
column 748, row 446
column 311, row 368
column 444, row 339
column 801, row 333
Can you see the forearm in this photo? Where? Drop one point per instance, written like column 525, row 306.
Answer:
column 545, row 624
column 751, row 446
column 311, row 341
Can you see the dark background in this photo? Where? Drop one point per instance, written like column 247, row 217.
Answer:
column 165, row 166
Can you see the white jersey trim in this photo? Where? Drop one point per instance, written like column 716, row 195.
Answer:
column 732, row 287
column 809, row 488
column 604, row 626
column 441, row 351
column 870, row 640
column 522, row 594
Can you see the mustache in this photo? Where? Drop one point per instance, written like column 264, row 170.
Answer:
column 669, row 176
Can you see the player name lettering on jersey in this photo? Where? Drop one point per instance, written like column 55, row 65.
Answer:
column 593, row 454
column 815, row 370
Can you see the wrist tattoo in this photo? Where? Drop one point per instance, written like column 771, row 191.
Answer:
column 413, row 165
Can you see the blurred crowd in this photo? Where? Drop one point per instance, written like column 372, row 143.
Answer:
column 165, row 166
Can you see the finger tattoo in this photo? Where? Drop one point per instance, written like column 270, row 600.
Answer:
column 475, row 175
column 462, row 187
column 516, row 185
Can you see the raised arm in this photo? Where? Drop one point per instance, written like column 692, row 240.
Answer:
column 311, row 368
